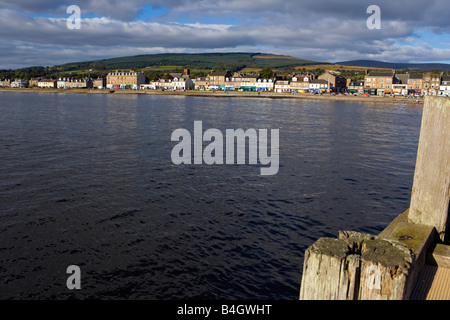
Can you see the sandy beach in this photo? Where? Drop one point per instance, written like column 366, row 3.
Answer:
column 230, row 94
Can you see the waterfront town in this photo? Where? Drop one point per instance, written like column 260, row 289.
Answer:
column 380, row 83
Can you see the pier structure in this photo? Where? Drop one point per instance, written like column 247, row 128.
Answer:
column 410, row 258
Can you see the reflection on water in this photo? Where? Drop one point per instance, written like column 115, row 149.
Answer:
column 88, row 180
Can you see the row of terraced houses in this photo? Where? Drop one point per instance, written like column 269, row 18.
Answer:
column 374, row 83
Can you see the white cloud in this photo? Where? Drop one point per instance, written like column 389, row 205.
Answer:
column 326, row 30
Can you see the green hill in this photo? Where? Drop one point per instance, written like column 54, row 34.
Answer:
column 192, row 61
column 157, row 64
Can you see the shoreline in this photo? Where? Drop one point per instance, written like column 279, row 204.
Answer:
column 228, row 94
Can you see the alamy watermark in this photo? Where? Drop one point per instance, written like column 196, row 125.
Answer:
column 213, row 153
column 74, row 280
column 74, row 21
column 374, row 21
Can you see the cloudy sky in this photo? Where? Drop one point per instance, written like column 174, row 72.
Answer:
column 36, row 33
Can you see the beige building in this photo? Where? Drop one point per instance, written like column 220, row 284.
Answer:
column 217, row 80
column 99, row 83
column 300, row 84
column 336, row 82
column 431, row 83
column 201, row 83
column 33, row 83
column 5, row 83
column 380, row 81
column 124, row 80
column 80, row 83
column 69, row 83
column 415, row 82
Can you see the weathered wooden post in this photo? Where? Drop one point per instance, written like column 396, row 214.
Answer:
column 358, row 266
column 430, row 196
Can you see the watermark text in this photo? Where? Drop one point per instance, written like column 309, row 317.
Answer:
column 235, row 140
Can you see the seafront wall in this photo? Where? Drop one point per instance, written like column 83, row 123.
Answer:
column 231, row 94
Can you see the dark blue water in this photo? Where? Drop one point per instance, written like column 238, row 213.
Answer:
column 88, row 180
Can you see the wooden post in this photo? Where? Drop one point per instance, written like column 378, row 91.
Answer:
column 356, row 266
column 329, row 271
column 361, row 266
column 430, row 196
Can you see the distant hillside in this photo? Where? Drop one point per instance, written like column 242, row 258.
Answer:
column 230, row 61
column 394, row 65
column 155, row 65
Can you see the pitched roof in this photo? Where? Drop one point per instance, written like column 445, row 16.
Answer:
column 218, row 73
column 403, row 77
column 323, row 81
column 380, row 74
column 415, row 76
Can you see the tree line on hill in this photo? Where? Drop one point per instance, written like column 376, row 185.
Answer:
column 97, row 70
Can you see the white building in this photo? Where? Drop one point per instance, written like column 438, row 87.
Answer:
column 318, row 85
column 444, row 88
column 183, row 83
column 148, row 86
column 45, row 83
column 61, row 83
column 400, row 89
column 264, row 85
column 282, row 86
column 19, row 83
column 163, row 84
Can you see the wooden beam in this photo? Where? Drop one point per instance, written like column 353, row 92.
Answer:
column 430, row 196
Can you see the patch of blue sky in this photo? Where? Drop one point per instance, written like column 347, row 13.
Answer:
column 419, row 37
column 149, row 12
column 435, row 40
column 426, row 37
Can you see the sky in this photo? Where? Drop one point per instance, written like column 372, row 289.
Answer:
column 35, row 33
